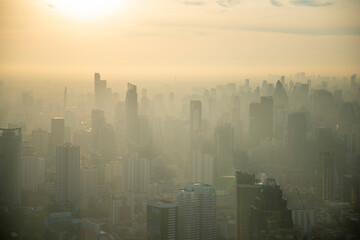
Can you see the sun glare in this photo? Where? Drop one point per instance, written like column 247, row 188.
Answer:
column 86, row 8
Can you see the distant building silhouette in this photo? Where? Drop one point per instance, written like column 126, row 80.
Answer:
column 246, row 191
column 10, row 166
column 67, row 173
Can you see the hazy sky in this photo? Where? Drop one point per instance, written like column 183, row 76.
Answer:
column 178, row 37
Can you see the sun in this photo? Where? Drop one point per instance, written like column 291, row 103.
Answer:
column 85, row 8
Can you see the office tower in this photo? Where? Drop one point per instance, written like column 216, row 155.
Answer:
column 100, row 91
column 121, row 208
column 224, row 147
column 67, row 173
column 10, row 166
column 32, row 168
column 261, row 120
column 246, row 191
column 135, row 174
column 57, row 135
column 202, row 167
column 162, row 219
column 131, row 115
column 40, row 141
column 297, row 132
column 89, row 182
column 267, row 117
column 97, row 121
column 281, row 103
column 197, row 212
column 328, row 175
column 269, row 216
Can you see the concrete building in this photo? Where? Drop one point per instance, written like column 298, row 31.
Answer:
column 10, row 166
column 197, row 212
column 162, row 217
column 67, row 173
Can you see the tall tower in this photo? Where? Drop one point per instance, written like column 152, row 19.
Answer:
column 67, row 173
column 269, row 217
column 10, row 166
column 224, row 147
column 57, row 135
column 197, row 212
column 246, row 191
column 131, row 115
column 328, row 176
column 162, row 220
column 97, row 121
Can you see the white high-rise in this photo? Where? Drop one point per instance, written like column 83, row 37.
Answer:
column 135, row 174
column 197, row 212
column 67, row 173
column 89, row 182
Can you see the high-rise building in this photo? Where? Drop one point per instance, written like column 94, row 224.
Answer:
column 10, row 166
column 328, row 175
column 97, row 121
column 121, row 208
column 135, row 174
column 131, row 115
column 162, row 217
column 100, row 91
column 261, row 120
column 224, row 147
column 197, row 212
column 40, row 140
column 270, row 217
column 32, row 168
column 57, row 135
column 67, row 173
column 246, row 191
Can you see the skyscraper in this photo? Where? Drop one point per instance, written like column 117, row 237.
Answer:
column 224, row 147
column 57, row 135
column 162, row 218
column 131, row 114
column 246, row 191
column 100, row 91
column 328, row 175
column 197, row 212
column 67, row 173
column 269, row 216
column 10, row 166
column 97, row 121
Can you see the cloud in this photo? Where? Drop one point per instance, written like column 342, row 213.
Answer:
column 311, row 3
column 276, row 3
column 228, row 3
column 194, row 2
